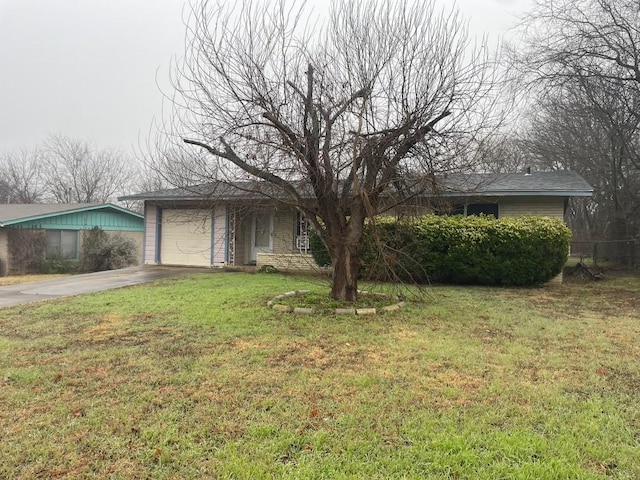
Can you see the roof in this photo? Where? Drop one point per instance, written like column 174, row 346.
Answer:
column 556, row 183
column 220, row 191
column 13, row 213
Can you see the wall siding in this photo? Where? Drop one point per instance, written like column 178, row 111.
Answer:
column 150, row 233
column 553, row 207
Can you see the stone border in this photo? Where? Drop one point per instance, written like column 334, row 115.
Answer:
column 273, row 303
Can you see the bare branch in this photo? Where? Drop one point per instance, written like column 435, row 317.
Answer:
column 331, row 114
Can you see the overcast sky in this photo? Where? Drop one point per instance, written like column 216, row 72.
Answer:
column 89, row 69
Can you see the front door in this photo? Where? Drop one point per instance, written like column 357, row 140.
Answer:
column 262, row 238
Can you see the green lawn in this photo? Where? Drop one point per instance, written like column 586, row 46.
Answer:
column 196, row 378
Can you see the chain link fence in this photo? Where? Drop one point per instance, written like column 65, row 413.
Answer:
column 603, row 254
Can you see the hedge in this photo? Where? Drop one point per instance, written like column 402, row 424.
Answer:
column 463, row 250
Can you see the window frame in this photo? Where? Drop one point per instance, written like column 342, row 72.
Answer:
column 463, row 209
column 59, row 248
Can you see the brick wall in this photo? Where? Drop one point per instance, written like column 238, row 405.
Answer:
column 4, row 253
column 296, row 262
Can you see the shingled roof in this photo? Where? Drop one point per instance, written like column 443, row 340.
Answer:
column 556, row 183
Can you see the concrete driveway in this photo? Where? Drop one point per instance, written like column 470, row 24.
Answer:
column 88, row 282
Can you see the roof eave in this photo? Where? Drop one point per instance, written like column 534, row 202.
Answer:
column 15, row 221
column 522, row 193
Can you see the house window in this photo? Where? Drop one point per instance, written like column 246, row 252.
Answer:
column 301, row 233
column 62, row 243
column 490, row 209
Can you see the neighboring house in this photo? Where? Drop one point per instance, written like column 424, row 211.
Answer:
column 63, row 225
column 218, row 225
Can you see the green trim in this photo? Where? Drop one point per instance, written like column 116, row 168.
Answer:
column 56, row 226
column 104, row 206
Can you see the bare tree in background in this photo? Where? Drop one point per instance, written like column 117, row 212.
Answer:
column 567, row 40
column 174, row 166
column 581, row 59
column 504, row 153
column 340, row 119
column 20, row 176
column 600, row 140
column 77, row 171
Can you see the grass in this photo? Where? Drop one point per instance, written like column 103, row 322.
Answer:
column 196, row 378
column 17, row 279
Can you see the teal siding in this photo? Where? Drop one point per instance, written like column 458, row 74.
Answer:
column 106, row 220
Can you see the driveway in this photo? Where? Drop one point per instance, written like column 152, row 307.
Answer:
column 88, row 283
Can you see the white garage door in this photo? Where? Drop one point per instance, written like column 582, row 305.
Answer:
column 186, row 237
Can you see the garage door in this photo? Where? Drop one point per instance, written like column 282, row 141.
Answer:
column 186, row 237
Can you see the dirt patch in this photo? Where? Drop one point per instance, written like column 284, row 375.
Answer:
column 323, row 357
column 19, row 279
column 491, row 335
column 112, row 325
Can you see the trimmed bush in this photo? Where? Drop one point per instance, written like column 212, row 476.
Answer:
column 101, row 251
column 465, row 250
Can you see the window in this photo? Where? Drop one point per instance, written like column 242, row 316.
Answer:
column 483, row 209
column 301, row 233
column 63, row 243
column 490, row 209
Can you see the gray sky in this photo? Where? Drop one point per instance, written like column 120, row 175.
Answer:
column 87, row 69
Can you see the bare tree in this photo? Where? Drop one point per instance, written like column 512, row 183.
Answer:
column 600, row 140
column 340, row 118
column 174, row 167
column 77, row 171
column 587, row 38
column 581, row 59
column 504, row 153
column 20, row 176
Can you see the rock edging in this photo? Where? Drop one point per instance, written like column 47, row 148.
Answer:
column 273, row 303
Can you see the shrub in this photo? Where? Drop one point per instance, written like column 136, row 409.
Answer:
column 101, row 251
column 318, row 249
column 475, row 249
column 26, row 250
column 58, row 264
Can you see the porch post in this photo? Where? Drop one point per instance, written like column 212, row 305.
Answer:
column 230, row 237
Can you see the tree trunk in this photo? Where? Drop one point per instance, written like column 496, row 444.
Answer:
column 344, row 243
column 346, row 262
